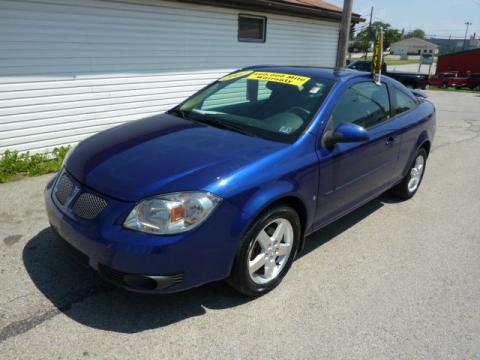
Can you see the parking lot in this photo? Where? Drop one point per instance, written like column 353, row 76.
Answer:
column 391, row 280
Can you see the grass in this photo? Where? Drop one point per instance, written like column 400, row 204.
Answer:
column 401, row 62
column 390, row 61
column 15, row 165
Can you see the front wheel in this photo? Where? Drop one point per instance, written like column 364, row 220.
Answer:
column 411, row 182
column 266, row 252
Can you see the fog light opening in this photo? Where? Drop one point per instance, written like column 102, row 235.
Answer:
column 139, row 282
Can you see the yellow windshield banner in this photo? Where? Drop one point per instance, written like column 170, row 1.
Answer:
column 377, row 59
column 289, row 79
column 235, row 75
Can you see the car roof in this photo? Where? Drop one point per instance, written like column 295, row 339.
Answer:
column 313, row 72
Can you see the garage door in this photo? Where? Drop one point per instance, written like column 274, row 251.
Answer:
column 72, row 68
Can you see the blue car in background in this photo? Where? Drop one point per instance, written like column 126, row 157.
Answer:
column 227, row 184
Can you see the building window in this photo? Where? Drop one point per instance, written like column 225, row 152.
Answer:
column 252, row 28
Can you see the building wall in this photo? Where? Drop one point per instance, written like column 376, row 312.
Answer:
column 412, row 46
column 72, row 68
column 463, row 62
column 412, row 50
column 447, row 46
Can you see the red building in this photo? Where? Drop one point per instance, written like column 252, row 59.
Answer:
column 462, row 62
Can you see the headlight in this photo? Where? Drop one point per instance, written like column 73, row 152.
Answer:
column 172, row 213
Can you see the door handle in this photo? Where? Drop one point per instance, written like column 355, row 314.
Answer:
column 390, row 141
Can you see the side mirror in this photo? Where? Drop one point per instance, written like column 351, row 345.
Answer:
column 345, row 133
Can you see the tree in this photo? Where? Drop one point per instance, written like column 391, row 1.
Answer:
column 390, row 35
column 418, row 33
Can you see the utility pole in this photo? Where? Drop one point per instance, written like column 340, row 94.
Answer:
column 344, row 34
column 369, row 33
column 468, row 23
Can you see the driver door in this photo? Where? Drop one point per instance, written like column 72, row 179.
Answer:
column 351, row 173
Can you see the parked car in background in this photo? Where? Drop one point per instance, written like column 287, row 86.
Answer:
column 410, row 80
column 447, row 79
column 227, row 184
column 473, row 81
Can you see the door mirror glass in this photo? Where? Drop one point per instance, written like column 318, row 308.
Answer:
column 345, row 133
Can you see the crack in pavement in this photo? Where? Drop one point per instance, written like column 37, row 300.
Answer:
column 22, row 326
column 474, row 128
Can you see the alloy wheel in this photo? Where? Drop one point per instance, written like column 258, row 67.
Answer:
column 270, row 251
column 416, row 173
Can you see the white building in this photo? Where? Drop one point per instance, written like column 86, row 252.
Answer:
column 413, row 46
column 71, row 68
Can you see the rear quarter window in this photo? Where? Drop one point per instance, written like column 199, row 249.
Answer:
column 401, row 102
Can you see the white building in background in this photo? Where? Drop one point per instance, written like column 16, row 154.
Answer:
column 72, row 68
column 413, row 46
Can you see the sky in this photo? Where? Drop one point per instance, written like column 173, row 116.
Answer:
column 436, row 17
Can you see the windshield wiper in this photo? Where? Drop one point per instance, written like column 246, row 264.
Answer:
column 225, row 125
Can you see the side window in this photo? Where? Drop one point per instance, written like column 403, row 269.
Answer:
column 365, row 104
column 402, row 102
column 232, row 94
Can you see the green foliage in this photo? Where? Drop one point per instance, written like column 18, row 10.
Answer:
column 14, row 165
column 418, row 33
column 390, row 35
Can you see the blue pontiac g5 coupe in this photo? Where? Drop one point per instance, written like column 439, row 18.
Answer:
column 227, row 184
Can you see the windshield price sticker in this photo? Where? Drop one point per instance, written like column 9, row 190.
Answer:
column 235, row 75
column 289, row 79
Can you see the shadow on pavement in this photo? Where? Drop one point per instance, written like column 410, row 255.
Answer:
column 334, row 229
column 82, row 295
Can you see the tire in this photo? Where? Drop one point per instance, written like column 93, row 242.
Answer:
column 444, row 86
column 404, row 190
column 244, row 278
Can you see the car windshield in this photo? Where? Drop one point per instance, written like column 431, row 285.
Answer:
column 270, row 105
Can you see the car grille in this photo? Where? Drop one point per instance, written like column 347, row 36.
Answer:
column 88, row 206
column 64, row 189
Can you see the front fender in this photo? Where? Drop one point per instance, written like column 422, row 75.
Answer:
column 281, row 191
column 268, row 195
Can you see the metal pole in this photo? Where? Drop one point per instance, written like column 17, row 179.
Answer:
column 369, row 33
column 344, row 34
column 466, row 32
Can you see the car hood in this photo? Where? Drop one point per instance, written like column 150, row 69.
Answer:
column 162, row 154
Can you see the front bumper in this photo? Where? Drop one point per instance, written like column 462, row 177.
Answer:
column 143, row 262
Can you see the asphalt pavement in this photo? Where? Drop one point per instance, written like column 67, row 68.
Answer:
column 392, row 280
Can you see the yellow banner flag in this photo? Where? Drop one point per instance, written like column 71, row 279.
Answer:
column 377, row 59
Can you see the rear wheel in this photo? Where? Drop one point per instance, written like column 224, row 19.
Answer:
column 411, row 182
column 266, row 252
